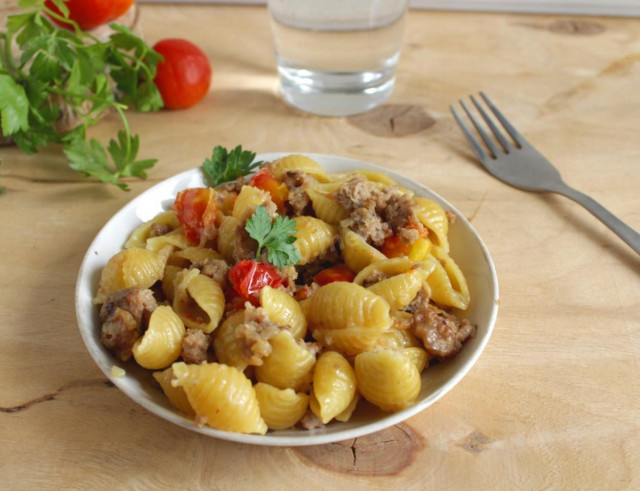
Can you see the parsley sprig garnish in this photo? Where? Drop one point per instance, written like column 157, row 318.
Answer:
column 59, row 68
column 225, row 166
column 277, row 236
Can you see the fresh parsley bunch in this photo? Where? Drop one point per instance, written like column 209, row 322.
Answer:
column 59, row 68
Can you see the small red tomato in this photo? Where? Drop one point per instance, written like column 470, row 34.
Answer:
column 339, row 272
column 196, row 209
column 395, row 246
column 89, row 14
column 266, row 181
column 184, row 77
column 249, row 277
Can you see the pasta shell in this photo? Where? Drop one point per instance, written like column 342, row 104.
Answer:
column 357, row 253
column 325, row 208
column 161, row 343
column 175, row 238
column 198, row 300
column 280, row 408
column 388, row 379
column 227, row 346
column 192, row 255
column 313, row 238
column 139, row 236
column 221, row 394
column 347, row 317
column 227, row 236
column 432, row 216
column 284, row 310
column 334, row 386
column 418, row 356
column 176, row 395
column 133, row 267
column 289, row 365
column 401, row 289
column 447, row 282
column 248, row 200
column 298, row 163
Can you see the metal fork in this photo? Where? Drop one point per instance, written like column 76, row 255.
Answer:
column 519, row 164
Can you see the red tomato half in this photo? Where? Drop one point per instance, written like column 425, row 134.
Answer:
column 91, row 13
column 196, row 210
column 266, row 181
column 339, row 272
column 184, row 77
column 249, row 277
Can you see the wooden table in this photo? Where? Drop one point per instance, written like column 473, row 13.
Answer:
column 554, row 401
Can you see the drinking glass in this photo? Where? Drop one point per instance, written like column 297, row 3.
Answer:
column 337, row 57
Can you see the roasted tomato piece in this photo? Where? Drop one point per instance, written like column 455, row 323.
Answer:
column 249, row 277
column 396, row 246
column 197, row 210
column 339, row 272
column 266, row 181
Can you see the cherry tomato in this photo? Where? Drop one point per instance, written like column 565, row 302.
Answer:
column 339, row 272
column 249, row 277
column 184, row 77
column 396, row 246
column 91, row 13
column 266, row 181
column 196, row 210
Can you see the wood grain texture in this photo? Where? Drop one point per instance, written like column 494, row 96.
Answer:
column 552, row 402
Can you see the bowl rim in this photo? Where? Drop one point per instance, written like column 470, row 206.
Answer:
column 309, row 437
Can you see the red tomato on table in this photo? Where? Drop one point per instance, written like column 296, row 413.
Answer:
column 184, row 77
column 91, row 13
column 196, row 209
column 249, row 277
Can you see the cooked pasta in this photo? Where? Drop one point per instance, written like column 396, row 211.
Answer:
column 161, row 343
column 198, row 300
column 349, row 294
column 222, row 395
column 280, row 408
column 389, row 379
column 334, row 386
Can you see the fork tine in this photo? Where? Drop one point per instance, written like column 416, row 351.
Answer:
column 487, row 139
column 494, row 129
column 477, row 148
column 517, row 137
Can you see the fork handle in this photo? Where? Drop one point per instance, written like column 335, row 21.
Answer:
column 626, row 233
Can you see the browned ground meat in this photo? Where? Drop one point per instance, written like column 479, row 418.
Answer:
column 218, row 269
column 356, row 193
column 194, row 346
column 369, row 225
column 244, row 246
column 289, row 274
column 123, row 316
column 441, row 332
column 254, row 333
column 375, row 213
column 422, row 298
column 397, row 209
column 158, row 229
column 298, row 182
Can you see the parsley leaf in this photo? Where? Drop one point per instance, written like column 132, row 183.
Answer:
column 14, row 106
column 226, row 166
column 278, row 237
column 50, row 74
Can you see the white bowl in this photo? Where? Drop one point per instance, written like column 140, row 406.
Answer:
column 467, row 249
